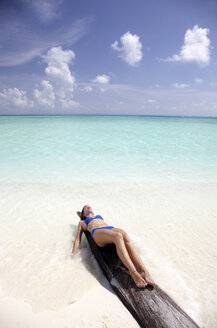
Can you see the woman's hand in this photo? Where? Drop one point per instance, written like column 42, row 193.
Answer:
column 72, row 255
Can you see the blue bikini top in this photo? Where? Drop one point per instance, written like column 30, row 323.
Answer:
column 89, row 219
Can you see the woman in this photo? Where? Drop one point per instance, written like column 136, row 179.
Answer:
column 104, row 234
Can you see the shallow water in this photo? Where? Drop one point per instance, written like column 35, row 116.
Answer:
column 95, row 147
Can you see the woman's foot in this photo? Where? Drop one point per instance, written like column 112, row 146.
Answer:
column 147, row 278
column 138, row 279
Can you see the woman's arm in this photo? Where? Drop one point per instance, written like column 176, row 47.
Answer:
column 78, row 237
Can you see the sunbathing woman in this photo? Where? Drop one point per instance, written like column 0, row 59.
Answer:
column 104, row 235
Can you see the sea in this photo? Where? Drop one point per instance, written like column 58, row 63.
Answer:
column 155, row 177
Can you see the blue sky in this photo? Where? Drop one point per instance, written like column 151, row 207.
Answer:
column 141, row 57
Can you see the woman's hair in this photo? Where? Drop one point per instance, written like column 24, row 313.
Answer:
column 82, row 214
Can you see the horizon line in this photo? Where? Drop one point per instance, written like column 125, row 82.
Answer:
column 134, row 115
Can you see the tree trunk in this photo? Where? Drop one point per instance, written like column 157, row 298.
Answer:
column 151, row 306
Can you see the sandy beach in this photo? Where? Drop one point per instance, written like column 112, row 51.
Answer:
column 41, row 285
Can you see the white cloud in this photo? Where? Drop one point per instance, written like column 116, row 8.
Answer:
column 57, row 55
column 15, row 97
column 58, row 72
column 181, row 85
column 54, row 92
column 196, row 47
column 102, row 79
column 130, row 50
column 58, row 69
column 198, row 81
column 46, row 96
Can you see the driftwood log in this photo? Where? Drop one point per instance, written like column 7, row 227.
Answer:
column 150, row 306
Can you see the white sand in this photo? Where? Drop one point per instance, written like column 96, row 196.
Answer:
column 173, row 225
column 99, row 307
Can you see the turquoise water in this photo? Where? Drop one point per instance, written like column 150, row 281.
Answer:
column 90, row 147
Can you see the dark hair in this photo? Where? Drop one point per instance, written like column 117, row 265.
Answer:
column 82, row 216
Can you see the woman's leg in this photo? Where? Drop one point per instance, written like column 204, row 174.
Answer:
column 104, row 236
column 136, row 259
